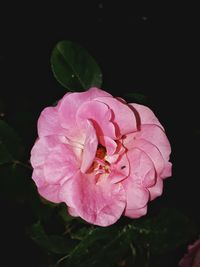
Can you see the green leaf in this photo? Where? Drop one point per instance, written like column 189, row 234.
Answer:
column 64, row 214
column 164, row 232
column 51, row 243
column 74, row 68
column 131, row 242
column 10, row 144
column 99, row 247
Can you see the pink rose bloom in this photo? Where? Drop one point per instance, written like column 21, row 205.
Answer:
column 192, row 258
column 101, row 156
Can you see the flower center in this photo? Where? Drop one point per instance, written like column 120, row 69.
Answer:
column 100, row 164
column 101, row 152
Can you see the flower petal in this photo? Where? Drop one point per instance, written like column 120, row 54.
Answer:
column 142, row 169
column 156, row 190
column 100, row 203
column 50, row 192
column 70, row 103
column 73, row 212
column 167, row 172
column 41, row 150
column 136, row 196
column 48, row 123
column 136, row 213
column 151, row 150
column 120, row 169
column 145, row 115
column 109, row 144
column 123, row 117
column 99, row 114
column 60, row 163
column 155, row 135
column 38, row 177
column 90, row 147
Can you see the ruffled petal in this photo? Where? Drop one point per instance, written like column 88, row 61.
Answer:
column 109, row 144
column 136, row 213
column 136, row 197
column 167, row 172
column 142, row 169
column 70, row 103
column 38, row 177
column 100, row 203
column 123, row 117
column 156, row 190
column 153, row 152
column 156, row 136
column 90, row 147
column 99, row 114
column 120, row 169
column 48, row 123
column 41, row 150
column 145, row 115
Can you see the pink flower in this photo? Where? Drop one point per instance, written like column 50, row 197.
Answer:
column 192, row 258
column 101, row 156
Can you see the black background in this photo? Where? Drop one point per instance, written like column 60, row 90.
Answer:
column 146, row 49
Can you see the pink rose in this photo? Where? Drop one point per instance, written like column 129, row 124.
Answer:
column 101, row 156
column 192, row 258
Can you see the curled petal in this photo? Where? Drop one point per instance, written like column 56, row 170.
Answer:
column 99, row 114
column 136, row 197
column 70, row 103
column 145, row 115
column 48, row 123
column 153, row 153
column 100, row 203
column 136, row 213
column 109, row 144
column 157, row 189
column 120, row 169
column 142, row 169
column 156, row 136
column 123, row 117
column 167, row 172
column 90, row 147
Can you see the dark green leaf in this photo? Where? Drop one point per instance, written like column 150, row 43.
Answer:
column 74, row 68
column 64, row 214
column 99, row 247
column 164, row 232
column 131, row 244
column 10, row 145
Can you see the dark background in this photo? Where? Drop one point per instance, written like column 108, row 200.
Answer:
column 145, row 49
